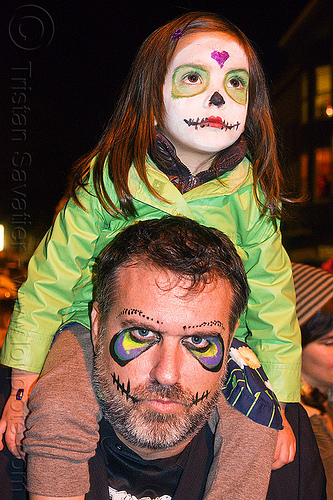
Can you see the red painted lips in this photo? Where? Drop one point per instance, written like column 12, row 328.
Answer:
column 214, row 121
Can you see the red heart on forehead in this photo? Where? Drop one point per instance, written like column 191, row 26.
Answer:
column 220, row 57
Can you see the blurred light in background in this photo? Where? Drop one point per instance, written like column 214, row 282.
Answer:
column 2, row 237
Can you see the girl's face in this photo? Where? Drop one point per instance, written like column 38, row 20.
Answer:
column 317, row 363
column 205, row 95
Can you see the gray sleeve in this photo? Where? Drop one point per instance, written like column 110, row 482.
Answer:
column 62, row 428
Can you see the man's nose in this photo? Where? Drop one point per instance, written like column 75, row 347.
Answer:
column 216, row 99
column 166, row 364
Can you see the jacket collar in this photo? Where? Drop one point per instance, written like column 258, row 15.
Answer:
column 165, row 158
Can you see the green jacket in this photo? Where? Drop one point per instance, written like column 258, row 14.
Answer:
column 59, row 284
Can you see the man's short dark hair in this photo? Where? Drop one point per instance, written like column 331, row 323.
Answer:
column 183, row 246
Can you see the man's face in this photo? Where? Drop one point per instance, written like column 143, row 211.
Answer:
column 160, row 364
column 205, row 95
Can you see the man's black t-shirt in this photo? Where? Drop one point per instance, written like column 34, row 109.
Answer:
column 128, row 476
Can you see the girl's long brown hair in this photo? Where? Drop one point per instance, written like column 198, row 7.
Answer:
column 131, row 130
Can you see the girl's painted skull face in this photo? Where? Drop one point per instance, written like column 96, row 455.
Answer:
column 205, row 95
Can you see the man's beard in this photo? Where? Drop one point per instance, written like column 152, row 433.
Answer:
column 142, row 426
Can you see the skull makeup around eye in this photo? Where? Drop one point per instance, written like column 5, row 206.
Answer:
column 197, row 126
column 130, row 343
column 236, row 84
column 209, row 351
column 188, row 81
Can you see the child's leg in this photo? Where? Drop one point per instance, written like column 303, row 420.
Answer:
column 246, row 387
column 62, row 428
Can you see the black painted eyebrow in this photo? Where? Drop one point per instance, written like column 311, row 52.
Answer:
column 132, row 324
column 128, row 312
column 216, row 323
column 134, row 320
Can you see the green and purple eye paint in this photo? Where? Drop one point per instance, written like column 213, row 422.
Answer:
column 130, row 343
column 126, row 346
column 209, row 356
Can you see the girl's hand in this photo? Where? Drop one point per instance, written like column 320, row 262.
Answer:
column 286, row 444
column 12, row 422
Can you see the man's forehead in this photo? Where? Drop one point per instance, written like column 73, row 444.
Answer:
column 142, row 279
column 151, row 277
column 150, row 274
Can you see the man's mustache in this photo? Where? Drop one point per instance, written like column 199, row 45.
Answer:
column 154, row 390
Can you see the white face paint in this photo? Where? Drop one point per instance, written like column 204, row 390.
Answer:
column 206, row 97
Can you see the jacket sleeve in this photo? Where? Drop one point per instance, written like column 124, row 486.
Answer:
column 61, row 264
column 270, row 324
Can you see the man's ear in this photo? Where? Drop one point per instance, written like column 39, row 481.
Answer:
column 95, row 324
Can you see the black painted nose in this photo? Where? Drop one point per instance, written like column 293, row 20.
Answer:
column 216, row 99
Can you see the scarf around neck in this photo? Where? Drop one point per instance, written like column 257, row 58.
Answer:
column 165, row 158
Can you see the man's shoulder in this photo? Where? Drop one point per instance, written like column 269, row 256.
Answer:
column 243, row 451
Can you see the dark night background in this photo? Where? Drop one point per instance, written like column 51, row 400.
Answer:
column 76, row 75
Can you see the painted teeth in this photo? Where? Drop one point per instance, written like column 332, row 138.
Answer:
column 197, row 123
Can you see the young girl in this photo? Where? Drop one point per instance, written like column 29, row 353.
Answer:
column 191, row 135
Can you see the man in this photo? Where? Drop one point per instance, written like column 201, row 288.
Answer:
column 169, row 294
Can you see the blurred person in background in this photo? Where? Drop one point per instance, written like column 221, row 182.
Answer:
column 314, row 299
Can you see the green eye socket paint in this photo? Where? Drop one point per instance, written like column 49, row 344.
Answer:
column 126, row 345
column 188, row 81
column 209, row 355
column 236, row 84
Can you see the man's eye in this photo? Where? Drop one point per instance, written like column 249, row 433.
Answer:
column 191, row 79
column 207, row 350
column 197, row 342
column 141, row 334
